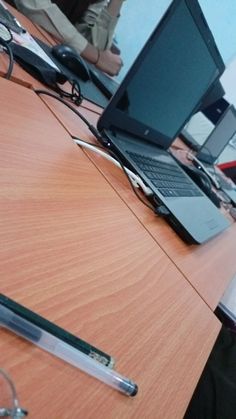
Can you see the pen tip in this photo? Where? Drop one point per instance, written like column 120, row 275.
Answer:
column 128, row 387
column 135, row 391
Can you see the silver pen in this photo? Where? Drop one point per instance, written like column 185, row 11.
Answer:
column 57, row 347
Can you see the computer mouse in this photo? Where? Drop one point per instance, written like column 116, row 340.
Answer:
column 69, row 57
column 203, row 182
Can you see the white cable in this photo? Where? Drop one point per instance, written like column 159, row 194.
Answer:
column 136, row 181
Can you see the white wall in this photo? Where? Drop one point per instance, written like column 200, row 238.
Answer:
column 228, row 80
column 139, row 17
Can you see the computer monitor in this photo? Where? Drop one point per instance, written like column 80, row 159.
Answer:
column 215, row 93
column 216, row 110
column 170, row 77
column 219, row 137
column 214, row 104
column 202, row 123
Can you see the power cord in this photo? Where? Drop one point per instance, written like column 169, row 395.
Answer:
column 75, row 95
column 91, row 128
column 132, row 177
column 137, row 182
column 11, row 60
column 202, row 167
column 5, row 40
column 134, row 180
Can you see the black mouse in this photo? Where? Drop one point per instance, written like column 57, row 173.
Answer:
column 203, row 182
column 69, row 57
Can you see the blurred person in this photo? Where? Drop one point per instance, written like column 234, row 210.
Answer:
column 86, row 25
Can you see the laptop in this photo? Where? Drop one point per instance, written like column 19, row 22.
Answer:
column 215, row 143
column 196, row 131
column 160, row 92
column 9, row 20
column 106, row 84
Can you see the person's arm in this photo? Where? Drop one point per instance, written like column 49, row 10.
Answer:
column 114, row 7
column 98, row 25
column 104, row 60
column 99, row 21
column 50, row 17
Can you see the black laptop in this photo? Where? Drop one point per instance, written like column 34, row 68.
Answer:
column 215, row 143
column 106, row 84
column 163, row 88
column 9, row 20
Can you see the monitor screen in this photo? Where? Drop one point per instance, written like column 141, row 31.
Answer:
column 174, row 70
column 219, row 137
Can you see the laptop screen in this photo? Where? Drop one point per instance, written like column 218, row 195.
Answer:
column 168, row 79
column 219, row 137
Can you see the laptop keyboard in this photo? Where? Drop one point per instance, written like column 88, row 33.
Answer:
column 167, row 178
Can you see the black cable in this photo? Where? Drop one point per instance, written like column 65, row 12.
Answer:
column 114, row 155
column 212, row 165
column 75, row 96
column 5, row 41
column 91, row 128
column 11, row 61
column 97, row 135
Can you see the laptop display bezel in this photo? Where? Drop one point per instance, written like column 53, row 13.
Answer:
column 113, row 118
column 203, row 154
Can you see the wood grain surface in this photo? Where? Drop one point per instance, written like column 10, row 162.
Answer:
column 208, row 267
column 72, row 251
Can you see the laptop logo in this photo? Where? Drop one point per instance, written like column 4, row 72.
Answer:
column 211, row 223
column 147, row 131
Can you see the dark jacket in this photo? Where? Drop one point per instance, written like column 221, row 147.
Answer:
column 74, row 9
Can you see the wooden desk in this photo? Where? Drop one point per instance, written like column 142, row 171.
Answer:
column 72, row 251
column 208, row 267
